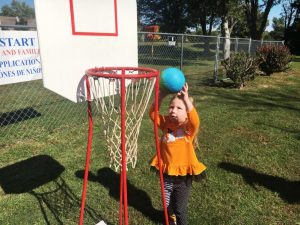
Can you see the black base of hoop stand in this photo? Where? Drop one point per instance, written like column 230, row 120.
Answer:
column 123, row 176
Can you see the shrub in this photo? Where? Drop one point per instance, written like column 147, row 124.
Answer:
column 240, row 67
column 273, row 58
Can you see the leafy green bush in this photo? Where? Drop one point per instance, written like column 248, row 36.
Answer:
column 273, row 58
column 240, row 67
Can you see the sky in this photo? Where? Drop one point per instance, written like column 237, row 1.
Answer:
column 275, row 11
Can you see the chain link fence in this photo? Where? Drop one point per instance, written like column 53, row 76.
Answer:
column 27, row 109
column 202, row 53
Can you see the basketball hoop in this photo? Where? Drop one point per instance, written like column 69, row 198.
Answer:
column 121, row 95
column 105, row 87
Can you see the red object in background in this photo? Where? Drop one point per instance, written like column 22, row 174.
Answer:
column 154, row 29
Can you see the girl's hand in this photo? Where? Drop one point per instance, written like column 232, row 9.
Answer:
column 184, row 91
column 185, row 95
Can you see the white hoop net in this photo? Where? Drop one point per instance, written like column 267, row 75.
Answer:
column 106, row 93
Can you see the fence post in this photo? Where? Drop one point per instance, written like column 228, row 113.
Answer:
column 152, row 49
column 181, row 54
column 217, row 60
column 236, row 44
column 249, row 47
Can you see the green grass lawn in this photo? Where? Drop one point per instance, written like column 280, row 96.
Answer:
column 249, row 141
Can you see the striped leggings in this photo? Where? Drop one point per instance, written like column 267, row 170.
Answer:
column 177, row 190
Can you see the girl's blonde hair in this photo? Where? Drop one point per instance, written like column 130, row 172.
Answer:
column 181, row 98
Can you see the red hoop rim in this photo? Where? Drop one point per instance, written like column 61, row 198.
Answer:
column 142, row 72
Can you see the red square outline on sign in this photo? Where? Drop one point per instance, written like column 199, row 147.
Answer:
column 74, row 32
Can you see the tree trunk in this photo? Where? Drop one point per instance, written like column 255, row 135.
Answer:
column 204, row 32
column 252, row 9
column 226, row 35
column 270, row 4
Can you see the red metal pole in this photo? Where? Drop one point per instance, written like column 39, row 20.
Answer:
column 123, row 146
column 156, row 109
column 88, row 151
column 121, row 199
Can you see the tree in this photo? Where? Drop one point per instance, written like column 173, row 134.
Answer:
column 292, row 33
column 278, row 29
column 146, row 11
column 252, row 9
column 175, row 15
column 203, row 12
column 241, row 29
column 288, row 13
column 171, row 15
column 230, row 12
column 20, row 10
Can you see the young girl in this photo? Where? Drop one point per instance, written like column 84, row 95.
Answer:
column 178, row 158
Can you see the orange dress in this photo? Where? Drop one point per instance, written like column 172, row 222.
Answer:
column 178, row 157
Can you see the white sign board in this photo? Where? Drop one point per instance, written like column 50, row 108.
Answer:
column 19, row 57
column 75, row 35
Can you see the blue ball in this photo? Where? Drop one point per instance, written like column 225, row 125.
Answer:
column 172, row 80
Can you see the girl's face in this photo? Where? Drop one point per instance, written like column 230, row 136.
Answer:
column 177, row 111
